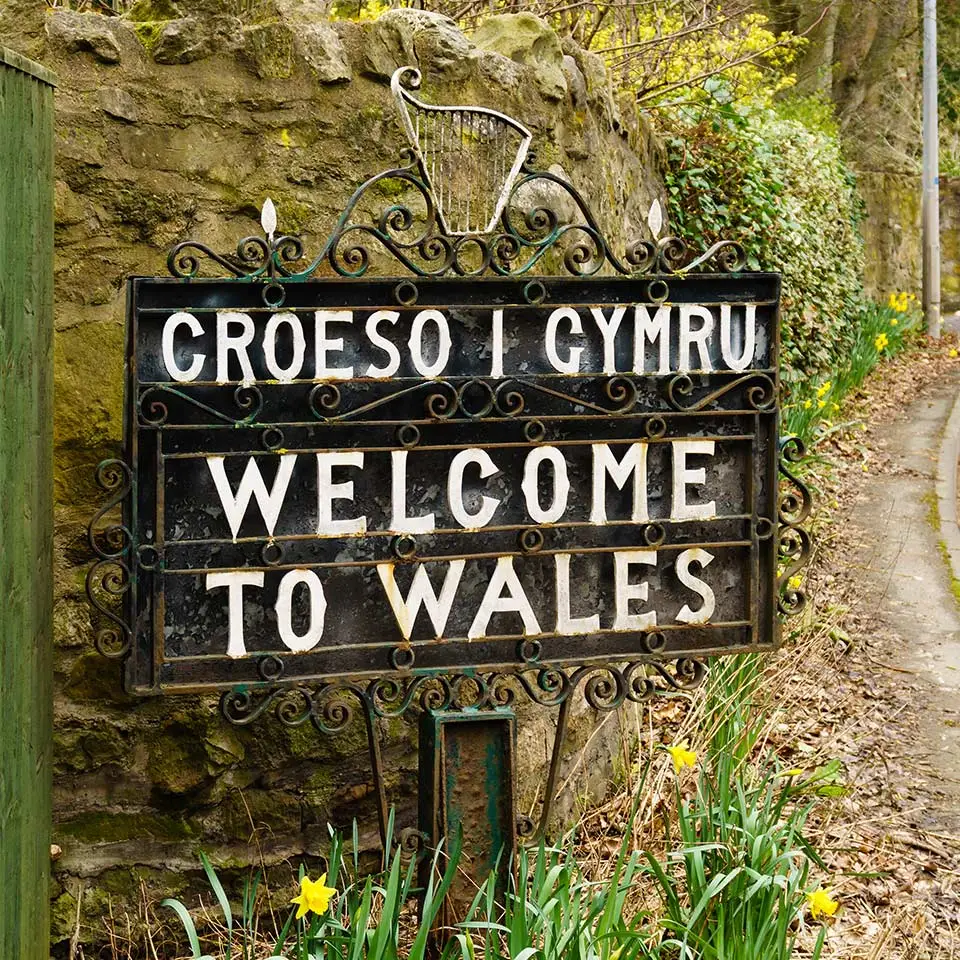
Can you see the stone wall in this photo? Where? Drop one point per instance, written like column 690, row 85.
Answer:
column 950, row 244
column 172, row 126
column 891, row 232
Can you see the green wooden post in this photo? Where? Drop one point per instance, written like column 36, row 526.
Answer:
column 26, row 503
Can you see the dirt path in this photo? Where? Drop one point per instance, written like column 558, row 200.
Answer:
column 907, row 583
column 887, row 671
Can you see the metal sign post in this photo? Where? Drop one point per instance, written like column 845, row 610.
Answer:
column 439, row 492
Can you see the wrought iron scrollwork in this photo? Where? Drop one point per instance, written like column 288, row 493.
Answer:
column 331, row 706
column 794, row 507
column 154, row 411
column 759, row 392
column 109, row 577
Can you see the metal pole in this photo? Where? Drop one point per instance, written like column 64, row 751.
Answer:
column 931, row 169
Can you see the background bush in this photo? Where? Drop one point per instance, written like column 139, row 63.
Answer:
column 773, row 176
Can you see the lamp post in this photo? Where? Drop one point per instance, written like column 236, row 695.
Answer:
column 931, row 178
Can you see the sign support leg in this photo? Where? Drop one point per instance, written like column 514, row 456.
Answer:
column 467, row 785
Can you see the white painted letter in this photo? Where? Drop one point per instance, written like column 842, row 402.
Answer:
column 416, row 343
column 682, row 476
column 605, row 462
column 488, row 505
column 703, row 615
column 515, row 601
column 608, row 330
column 393, row 363
column 238, row 344
column 235, row 581
column 318, row 607
column 421, row 593
column 566, row 623
column 650, row 328
column 698, row 338
column 624, row 591
column 252, row 485
column 400, row 522
column 531, row 478
column 328, row 491
column 572, row 364
column 323, row 344
column 284, row 374
column 749, row 337
column 169, row 358
column 496, row 344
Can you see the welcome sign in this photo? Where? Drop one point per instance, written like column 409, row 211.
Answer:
column 365, row 478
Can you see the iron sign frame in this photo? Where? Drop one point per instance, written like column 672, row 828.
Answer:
column 270, row 273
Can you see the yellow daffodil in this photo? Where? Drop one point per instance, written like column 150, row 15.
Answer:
column 900, row 301
column 953, row 353
column 834, row 407
column 314, row 896
column 794, row 583
column 880, row 341
column 807, row 404
column 682, row 757
column 824, row 389
column 821, row 903
column 821, row 404
column 893, row 321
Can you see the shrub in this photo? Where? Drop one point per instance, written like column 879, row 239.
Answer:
column 774, row 177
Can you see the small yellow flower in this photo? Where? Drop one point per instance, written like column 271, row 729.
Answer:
column 880, row 341
column 821, row 903
column 892, row 301
column 953, row 353
column 893, row 321
column 314, row 896
column 824, row 389
column 834, row 408
column 807, row 404
column 794, row 583
column 821, row 404
column 682, row 757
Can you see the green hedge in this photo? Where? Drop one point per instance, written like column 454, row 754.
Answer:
column 774, row 178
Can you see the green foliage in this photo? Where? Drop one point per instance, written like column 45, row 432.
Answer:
column 737, row 883
column 363, row 921
column 880, row 330
column 774, row 178
column 732, row 889
column 555, row 912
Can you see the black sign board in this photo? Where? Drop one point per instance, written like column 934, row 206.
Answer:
column 374, row 478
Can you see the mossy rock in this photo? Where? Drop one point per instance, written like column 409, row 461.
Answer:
column 148, row 33
column 103, row 826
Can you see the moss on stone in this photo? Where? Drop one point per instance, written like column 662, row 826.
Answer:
column 93, row 678
column 147, row 11
column 115, row 826
column 148, row 33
